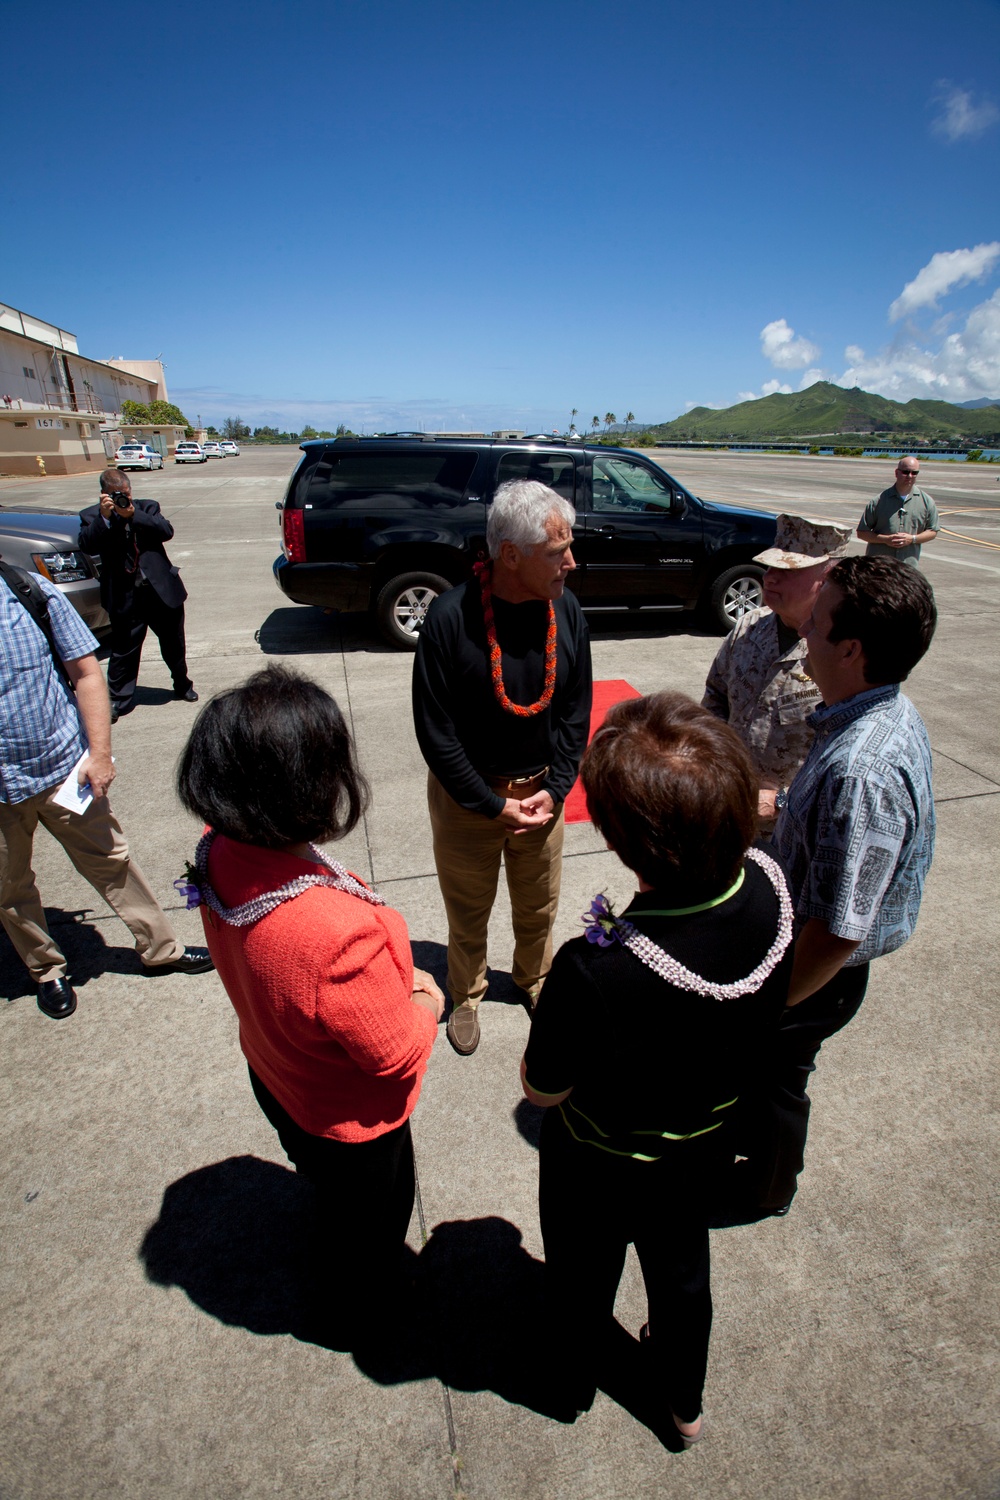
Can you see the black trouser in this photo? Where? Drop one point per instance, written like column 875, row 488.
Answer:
column 146, row 611
column 773, row 1119
column 364, row 1198
column 592, row 1205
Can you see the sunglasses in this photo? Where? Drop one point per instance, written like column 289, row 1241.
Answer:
column 908, row 473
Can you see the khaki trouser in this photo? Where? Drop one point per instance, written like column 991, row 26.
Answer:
column 96, row 845
column 467, row 851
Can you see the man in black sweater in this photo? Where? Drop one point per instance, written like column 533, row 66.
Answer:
column 140, row 587
column 501, row 706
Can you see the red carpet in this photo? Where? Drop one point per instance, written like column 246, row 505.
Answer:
column 606, row 695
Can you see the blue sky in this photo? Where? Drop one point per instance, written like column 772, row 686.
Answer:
column 444, row 214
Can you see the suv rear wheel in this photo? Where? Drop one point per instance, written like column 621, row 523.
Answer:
column 402, row 606
column 734, row 593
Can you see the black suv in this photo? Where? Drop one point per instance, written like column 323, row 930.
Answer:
column 388, row 523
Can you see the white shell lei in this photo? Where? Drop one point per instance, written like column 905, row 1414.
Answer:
column 338, row 877
column 654, row 957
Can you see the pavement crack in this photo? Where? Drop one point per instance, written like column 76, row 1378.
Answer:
column 458, row 1490
column 971, row 770
column 350, row 719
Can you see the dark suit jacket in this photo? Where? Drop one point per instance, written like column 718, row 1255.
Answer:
column 147, row 530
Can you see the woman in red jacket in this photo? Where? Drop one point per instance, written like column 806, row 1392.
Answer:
column 335, row 1023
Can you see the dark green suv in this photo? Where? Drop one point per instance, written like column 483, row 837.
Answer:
column 386, row 524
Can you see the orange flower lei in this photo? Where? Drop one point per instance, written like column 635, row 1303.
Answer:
column 483, row 571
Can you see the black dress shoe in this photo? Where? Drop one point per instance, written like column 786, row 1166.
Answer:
column 188, row 696
column 191, row 961
column 56, row 998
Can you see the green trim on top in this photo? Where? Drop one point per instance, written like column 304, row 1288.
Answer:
column 660, row 1135
column 543, row 1095
column 592, row 1123
column 667, row 1135
column 689, row 911
column 586, row 1141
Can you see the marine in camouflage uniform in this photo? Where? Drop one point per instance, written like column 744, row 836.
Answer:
column 763, row 691
column 757, row 682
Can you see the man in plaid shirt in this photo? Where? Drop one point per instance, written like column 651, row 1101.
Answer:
column 46, row 728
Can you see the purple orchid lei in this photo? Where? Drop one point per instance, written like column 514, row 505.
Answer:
column 187, row 886
column 602, row 926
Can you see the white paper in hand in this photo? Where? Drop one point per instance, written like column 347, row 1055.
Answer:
column 71, row 795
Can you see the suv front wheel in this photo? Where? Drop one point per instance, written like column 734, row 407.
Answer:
column 734, row 593
column 402, row 606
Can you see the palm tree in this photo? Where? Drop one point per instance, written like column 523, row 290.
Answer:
column 609, row 420
column 595, row 422
column 572, row 419
column 629, row 417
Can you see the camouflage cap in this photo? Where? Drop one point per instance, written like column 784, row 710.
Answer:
column 801, row 543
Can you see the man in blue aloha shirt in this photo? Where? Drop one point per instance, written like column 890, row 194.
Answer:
column 54, row 720
column 856, row 834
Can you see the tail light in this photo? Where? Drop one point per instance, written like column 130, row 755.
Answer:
column 293, row 533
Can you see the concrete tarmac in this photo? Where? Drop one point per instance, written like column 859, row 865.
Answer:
column 152, row 1341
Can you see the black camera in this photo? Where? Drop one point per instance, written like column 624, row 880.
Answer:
column 120, row 500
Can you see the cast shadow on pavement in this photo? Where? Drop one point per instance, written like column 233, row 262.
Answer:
column 304, row 629
column 434, row 958
column 87, row 954
column 232, row 1236
column 148, row 696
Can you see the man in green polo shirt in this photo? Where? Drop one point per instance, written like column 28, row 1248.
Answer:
column 901, row 519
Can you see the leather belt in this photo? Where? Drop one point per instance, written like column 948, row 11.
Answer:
column 517, row 786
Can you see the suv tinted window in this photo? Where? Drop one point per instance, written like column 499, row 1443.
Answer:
column 620, row 484
column 557, row 470
column 351, row 479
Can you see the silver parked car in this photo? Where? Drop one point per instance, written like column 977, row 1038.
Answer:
column 212, row 449
column 49, row 543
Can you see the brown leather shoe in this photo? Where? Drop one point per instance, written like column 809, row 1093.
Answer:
column 463, row 1029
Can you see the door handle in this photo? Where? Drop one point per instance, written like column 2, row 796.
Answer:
column 604, row 531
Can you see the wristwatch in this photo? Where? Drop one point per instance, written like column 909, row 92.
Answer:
column 780, row 798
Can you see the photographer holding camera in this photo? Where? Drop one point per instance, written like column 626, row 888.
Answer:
column 140, row 588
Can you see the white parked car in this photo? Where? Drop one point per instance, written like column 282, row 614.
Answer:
column 230, row 449
column 189, row 453
column 138, row 456
column 212, row 450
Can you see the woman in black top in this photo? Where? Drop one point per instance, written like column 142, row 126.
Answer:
column 645, row 1030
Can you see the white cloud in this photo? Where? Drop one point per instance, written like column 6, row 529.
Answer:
column 966, row 365
column 961, row 118
column 944, row 272
column 810, row 378
column 786, row 352
column 769, row 388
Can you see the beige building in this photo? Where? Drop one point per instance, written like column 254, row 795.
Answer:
column 59, row 410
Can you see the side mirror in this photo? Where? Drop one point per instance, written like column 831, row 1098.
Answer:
column 676, row 503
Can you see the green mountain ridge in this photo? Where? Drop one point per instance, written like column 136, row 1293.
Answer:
column 829, row 410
